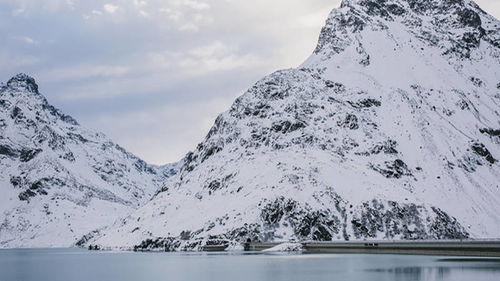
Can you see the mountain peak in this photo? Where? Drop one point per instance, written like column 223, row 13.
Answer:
column 456, row 27
column 411, row 3
column 23, row 81
column 390, row 8
column 60, row 181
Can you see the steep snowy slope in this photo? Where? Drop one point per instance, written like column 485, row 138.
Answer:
column 58, row 180
column 390, row 130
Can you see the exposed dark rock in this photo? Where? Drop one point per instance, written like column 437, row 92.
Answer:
column 23, row 81
column 260, row 110
column 16, row 112
column 94, row 248
column 482, row 151
column 366, row 103
column 185, row 235
column 189, row 163
column 171, row 244
column 217, row 125
column 142, row 166
column 396, row 169
column 8, row 151
column 56, row 112
column 287, row 126
column 328, row 37
column 395, row 9
column 86, row 238
column 375, row 8
column 446, row 227
column 214, row 185
column 273, row 213
column 16, row 181
column 337, row 87
column 36, row 188
column 319, row 225
column 472, row 40
column 274, row 89
column 69, row 156
column 217, row 184
column 404, row 221
column 476, row 81
column 463, row 105
column 469, row 18
column 388, row 147
column 490, row 132
column 469, row 163
column 81, row 139
column 168, row 244
column 29, row 154
column 4, row 104
column 210, row 151
column 419, row 6
column 350, row 121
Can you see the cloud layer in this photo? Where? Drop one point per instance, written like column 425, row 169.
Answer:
column 154, row 74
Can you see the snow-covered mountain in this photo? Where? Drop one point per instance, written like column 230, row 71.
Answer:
column 58, row 180
column 390, row 130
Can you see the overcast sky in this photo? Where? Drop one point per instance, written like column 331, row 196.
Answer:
column 154, row 74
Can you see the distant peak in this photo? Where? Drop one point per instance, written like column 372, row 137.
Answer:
column 419, row 6
column 23, row 81
column 461, row 18
column 410, row 2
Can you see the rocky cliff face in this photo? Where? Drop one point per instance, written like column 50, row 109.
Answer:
column 59, row 180
column 388, row 131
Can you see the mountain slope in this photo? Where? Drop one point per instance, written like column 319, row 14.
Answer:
column 390, row 130
column 59, row 180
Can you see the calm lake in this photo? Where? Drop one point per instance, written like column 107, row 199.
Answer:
column 82, row 265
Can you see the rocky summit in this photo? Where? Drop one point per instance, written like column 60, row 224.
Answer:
column 58, row 180
column 389, row 130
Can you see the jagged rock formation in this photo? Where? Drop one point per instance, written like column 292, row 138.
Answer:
column 388, row 131
column 59, row 180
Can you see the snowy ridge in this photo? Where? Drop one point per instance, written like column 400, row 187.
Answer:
column 390, row 130
column 60, row 181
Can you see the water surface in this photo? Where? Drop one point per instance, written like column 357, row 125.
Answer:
column 82, row 265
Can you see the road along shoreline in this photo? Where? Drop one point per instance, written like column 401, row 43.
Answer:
column 477, row 248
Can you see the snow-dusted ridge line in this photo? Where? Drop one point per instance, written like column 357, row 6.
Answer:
column 60, row 181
